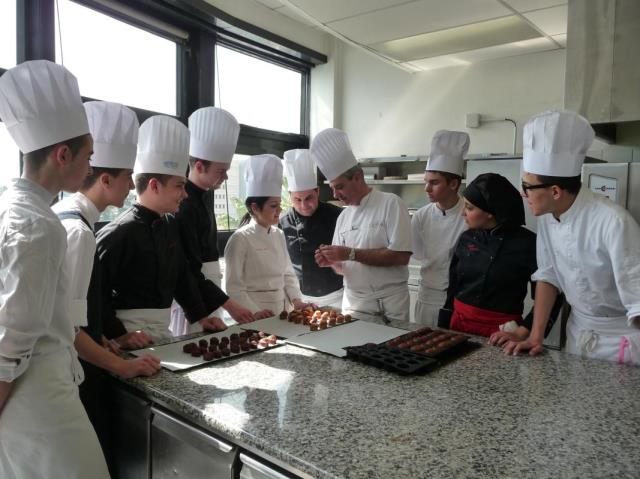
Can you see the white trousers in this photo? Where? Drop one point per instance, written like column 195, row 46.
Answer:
column 394, row 303
column 428, row 306
column 44, row 429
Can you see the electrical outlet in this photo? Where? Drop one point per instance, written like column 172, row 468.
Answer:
column 473, row 120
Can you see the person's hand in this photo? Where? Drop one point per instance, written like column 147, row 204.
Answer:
column 533, row 345
column 265, row 313
column 237, row 312
column 500, row 338
column 300, row 305
column 321, row 260
column 335, row 254
column 213, row 323
column 111, row 345
column 134, row 340
column 146, row 365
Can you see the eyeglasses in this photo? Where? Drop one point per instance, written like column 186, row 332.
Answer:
column 526, row 187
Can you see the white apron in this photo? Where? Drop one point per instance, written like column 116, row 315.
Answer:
column 333, row 300
column 392, row 303
column 44, row 429
column 428, row 306
column 154, row 322
column 611, row 339
column 274, row 301
column 179, row 324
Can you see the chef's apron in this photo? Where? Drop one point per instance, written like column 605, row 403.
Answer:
column 44, row 429
column 392, row 302
column 483, row 322
column 154, row 322
column 273, row 300
column 179, row 324
column 611, row 339
column 428, row 306
column 333, row 300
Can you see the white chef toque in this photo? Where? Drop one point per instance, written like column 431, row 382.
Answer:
column 300, row 170
column 214, row 134
column 114, row 129
column 263, row 175
column 331, row 151
column 163, row 147
column 555, row 143
column 40, row 105
column 448, row 149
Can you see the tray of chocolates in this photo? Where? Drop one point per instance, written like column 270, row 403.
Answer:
column 318, row 319
column 299, row 322
column 431, row 343
column 211, row 348
column 396, row 360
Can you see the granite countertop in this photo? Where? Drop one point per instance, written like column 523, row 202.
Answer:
column 485, row 415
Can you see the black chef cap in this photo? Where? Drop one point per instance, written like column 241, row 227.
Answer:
column 494, row 194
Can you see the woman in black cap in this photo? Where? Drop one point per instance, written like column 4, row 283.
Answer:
column 492, row 263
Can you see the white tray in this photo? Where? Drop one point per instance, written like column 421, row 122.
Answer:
column 172, row 358
column 355, row 333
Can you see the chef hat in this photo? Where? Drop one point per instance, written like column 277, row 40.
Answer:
column 447, row 151
column 331, row 151
column 300, row 170
column 163, row 147
column 114, row 128
column 40, row 104
column 555, row 143
column 214, row 134
column 263, row 175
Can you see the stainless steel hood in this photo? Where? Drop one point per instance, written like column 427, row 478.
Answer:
column 602, row 80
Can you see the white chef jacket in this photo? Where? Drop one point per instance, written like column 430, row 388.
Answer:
column 34, row 313
column 592, row 254
column 381, row 220
column 434, row 234
column 43, row 412
column 81, row 248
column 258, row 269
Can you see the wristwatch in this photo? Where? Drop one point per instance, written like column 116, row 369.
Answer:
column 352, row 254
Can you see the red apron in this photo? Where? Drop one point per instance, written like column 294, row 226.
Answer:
column 472, row 320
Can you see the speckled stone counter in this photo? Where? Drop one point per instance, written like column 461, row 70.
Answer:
column 485, row 415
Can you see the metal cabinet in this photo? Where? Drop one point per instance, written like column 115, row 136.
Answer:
column 130, row 441
column 179, row 449
column 252, row 468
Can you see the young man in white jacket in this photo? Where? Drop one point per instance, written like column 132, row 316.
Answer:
column 44, row 430
column 114, row 129
column 587, row 247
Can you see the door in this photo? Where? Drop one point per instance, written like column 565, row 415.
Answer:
column 179, row 449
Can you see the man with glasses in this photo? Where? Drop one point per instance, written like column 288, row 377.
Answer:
column 588, row 247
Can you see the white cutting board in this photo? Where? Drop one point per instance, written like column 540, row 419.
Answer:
column 172, row 357
column 281, row 327
column 356, row 333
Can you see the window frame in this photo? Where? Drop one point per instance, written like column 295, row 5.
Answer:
column 204, row 26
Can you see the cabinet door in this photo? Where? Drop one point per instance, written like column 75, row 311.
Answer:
column 130, row 439
column 254, row 469
column 179, row 450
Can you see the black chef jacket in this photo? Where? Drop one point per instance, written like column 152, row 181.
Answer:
column 199, row 233
column 143, row 267
column 490, row 269
column 304, row 235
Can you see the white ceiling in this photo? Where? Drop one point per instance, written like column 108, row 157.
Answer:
column 420, row 35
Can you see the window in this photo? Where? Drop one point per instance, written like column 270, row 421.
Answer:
column 258, row 93
column 114, row 61
column 10, row 157
column 8, row 48
column 231, row 193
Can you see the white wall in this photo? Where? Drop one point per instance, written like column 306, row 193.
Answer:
column 389, row 112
